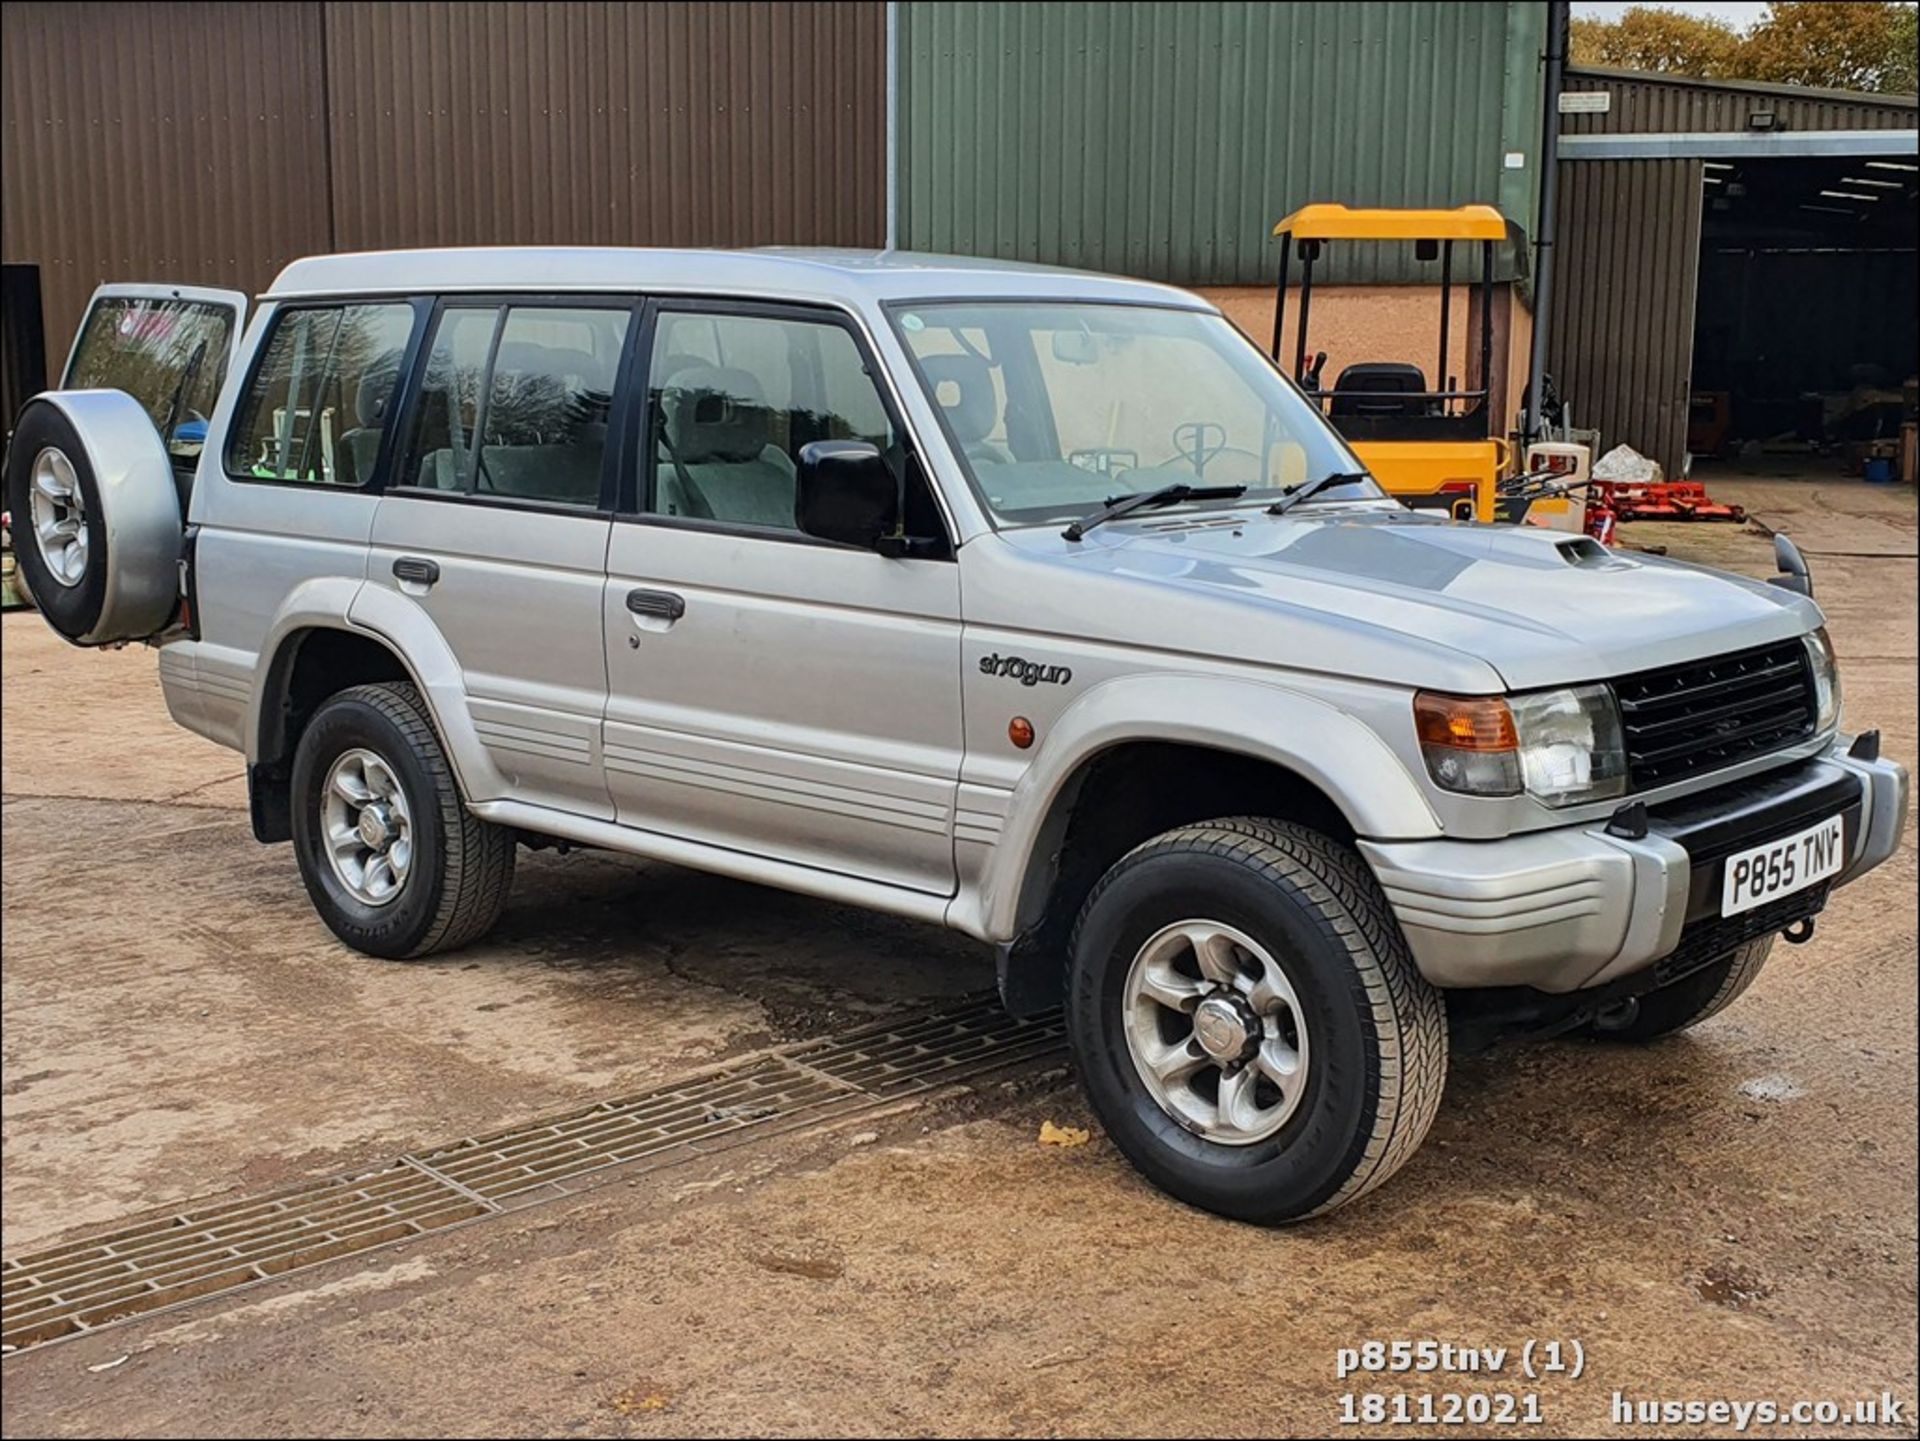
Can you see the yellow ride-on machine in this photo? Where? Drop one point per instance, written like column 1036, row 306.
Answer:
column 1431, row 445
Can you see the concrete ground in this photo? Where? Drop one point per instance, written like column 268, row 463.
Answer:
column 1727, row 1215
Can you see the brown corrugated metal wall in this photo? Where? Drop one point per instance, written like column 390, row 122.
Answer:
column 212, row 143
column 1621, row 347
column 592, row 124
column 158, row 142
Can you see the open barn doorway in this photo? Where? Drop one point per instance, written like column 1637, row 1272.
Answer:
column 1805, row 339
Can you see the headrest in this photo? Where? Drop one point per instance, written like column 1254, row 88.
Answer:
column 962, row 387
column 573, row 369
column 673, row 364
column 375, row 391
column 716, row 412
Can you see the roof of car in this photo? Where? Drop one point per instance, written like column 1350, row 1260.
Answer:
column 773, row 274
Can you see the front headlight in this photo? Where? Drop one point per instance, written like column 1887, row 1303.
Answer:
column 1561, row 747
column 1826, row 680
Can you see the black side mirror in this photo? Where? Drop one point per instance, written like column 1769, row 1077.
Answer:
column 846, row 492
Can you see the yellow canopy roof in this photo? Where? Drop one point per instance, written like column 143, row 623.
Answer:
column 1337, row 222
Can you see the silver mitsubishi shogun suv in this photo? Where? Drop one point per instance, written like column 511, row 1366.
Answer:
column 1034, row 604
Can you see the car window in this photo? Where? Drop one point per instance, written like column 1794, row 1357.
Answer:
column 514, row 403
column 322, row 395
column 170, row 355
column 733, row 400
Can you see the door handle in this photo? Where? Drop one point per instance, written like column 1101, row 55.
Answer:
column 657, row 604
column 415, row 570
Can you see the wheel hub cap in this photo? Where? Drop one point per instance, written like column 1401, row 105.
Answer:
column 366, row 827
column 1223, row 1026
column 376, row 827
column 59, row 516
column 1216, row 1032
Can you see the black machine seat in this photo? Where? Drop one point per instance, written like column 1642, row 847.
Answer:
column 1380, row 388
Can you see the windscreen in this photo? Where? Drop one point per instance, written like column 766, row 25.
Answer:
column 1056, row 409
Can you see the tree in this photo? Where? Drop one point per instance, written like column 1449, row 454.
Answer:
column 1841, row 46
column 1852, row 45
column 1648, row 37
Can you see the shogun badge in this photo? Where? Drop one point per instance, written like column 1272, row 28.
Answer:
column 1027, row 672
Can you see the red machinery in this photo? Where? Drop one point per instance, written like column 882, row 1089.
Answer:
column 1599, row 506
column 1660, row 500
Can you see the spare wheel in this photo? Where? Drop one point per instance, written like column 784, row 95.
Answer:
column 96, row 516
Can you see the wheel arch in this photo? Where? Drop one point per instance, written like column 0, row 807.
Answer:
column 327, row 639
column 1132, row 759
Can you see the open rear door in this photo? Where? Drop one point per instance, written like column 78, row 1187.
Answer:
column 131, row 409
column 169, row 347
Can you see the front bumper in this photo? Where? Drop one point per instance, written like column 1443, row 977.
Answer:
column 1564, row 910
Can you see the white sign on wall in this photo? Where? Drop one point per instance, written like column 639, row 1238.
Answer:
column 1585, row 102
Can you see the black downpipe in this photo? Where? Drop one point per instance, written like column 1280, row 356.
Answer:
column 1486, row 339
column 1549, row 204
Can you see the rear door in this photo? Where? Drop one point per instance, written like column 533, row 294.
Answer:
column 495, row 522
column 168, row 346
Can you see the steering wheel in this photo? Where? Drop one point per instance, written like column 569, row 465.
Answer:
column 1191, row 444
column 1199, row 441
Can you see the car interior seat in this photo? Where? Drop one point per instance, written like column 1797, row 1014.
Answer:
column 962, row 387
column 361, row 445
column 718, row 460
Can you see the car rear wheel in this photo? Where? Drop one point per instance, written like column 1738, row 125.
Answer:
column 1688, row 1001
column 95, row 516
column 1248, row 1023
column 394, row 862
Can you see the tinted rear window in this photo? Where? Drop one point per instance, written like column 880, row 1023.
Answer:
column 170, row 355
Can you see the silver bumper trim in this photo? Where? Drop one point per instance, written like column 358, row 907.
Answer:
column 1886, row 793
column 1549, row 909
column 1561, row 910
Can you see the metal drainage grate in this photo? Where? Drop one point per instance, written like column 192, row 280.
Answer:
column 902, row 1057
column 205, row 1250
column 168, row 1259
column 540, row 1161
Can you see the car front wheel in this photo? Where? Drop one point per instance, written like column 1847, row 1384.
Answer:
column 1248, row 1023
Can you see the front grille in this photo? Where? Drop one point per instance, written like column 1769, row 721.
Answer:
column 1684, row 720
column 1709, row 940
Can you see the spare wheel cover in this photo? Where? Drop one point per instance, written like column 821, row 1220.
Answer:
column 99, row 452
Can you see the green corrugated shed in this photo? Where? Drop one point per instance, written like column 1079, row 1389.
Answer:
column 1165, row 139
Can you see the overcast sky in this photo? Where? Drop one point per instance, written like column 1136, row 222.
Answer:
column 1738, row 13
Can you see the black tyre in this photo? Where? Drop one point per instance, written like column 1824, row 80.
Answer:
column 395, row 863
column 1248, row 1023
column 95, row 516
column 1688, row 1001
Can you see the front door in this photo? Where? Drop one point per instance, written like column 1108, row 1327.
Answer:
column 768, row 692
column 495, row 522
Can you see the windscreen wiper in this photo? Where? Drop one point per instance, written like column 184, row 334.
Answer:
column 1147, row 499
column 1294, row 494
column 187, row 377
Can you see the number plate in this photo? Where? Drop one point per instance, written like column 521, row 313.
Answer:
column 1779, row 868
